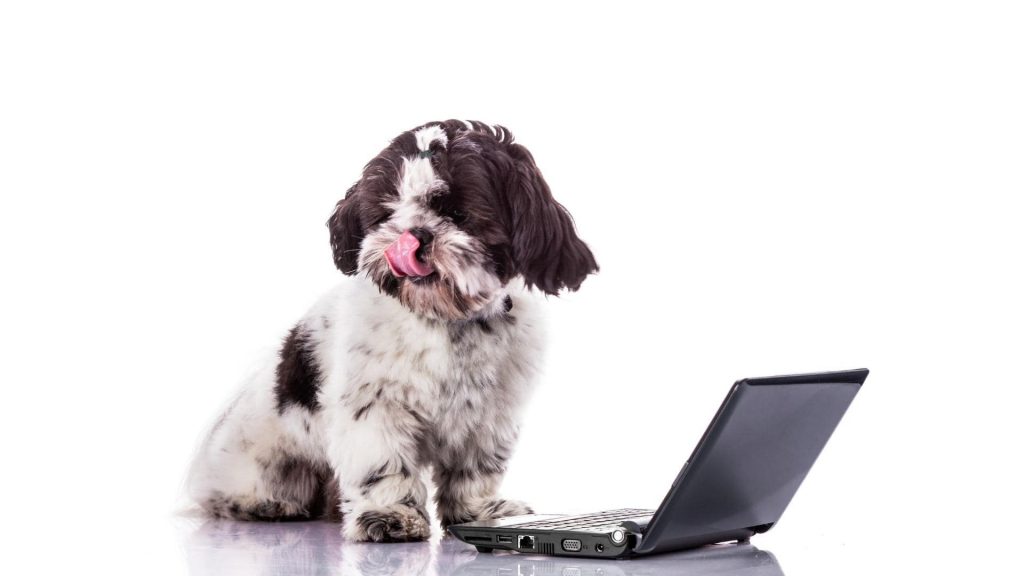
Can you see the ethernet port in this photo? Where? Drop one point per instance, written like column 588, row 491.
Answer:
column 525, row 542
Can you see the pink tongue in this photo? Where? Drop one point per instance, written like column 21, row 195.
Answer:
column 401, row 256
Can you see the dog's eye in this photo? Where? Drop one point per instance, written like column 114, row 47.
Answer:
column 445, row 205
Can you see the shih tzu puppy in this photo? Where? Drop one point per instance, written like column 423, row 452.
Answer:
column 424, row 364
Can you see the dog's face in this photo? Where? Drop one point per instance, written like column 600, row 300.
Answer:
column 450, row 212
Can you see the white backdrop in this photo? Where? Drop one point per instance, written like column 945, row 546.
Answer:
column 769, row 187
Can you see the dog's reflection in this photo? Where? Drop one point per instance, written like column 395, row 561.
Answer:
column 227, row 547
column 224, row 548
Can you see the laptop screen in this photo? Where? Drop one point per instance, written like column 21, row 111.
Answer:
column 753, row 457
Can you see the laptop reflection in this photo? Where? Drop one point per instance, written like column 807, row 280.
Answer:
column 721, row 559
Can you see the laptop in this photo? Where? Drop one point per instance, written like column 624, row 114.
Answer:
column 739, row 479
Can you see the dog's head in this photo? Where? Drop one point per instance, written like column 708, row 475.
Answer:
column 447, row 214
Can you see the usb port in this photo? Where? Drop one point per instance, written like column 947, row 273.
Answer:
column 504, row 539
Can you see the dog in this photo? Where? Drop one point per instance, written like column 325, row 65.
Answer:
column 421, row 363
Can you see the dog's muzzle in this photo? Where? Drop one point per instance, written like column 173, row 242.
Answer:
column 404, row 259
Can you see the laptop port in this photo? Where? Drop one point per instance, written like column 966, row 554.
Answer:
column 571, row 545
column 525, row 542
column 504, row 539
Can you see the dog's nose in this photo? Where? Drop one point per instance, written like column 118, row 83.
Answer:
column 424, row 236
column 405, row 255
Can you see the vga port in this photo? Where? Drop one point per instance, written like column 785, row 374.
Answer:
column 571, row 545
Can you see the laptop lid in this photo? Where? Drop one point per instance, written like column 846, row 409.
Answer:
column 751, row 460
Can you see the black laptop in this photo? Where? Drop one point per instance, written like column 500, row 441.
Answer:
column 738, row 481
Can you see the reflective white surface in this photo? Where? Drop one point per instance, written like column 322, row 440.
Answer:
column 226, row 548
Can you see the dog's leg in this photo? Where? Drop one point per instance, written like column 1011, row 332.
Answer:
column 465, row 495
column 468, row 476
column 249, row 469
column 373, row 450
column 262, row 485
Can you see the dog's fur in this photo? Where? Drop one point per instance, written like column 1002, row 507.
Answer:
column 387, row 378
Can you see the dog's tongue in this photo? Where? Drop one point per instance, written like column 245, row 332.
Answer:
column 401, row 257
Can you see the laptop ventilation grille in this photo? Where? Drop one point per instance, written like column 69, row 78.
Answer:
column 546, row 548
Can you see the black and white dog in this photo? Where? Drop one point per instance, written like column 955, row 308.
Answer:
column 423, row 367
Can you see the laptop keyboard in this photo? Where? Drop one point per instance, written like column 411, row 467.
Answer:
column 585, row 522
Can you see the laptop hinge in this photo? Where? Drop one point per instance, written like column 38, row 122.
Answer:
column 636, row 525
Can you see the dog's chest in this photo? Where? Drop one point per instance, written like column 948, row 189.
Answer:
column 442, row 370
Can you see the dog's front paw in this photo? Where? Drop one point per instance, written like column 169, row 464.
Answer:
column 484, row 510
column 502, row 508
column 396, row 523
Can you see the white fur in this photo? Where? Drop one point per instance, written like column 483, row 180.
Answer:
column 365, row 336
column 428, row 134
column 418, row 179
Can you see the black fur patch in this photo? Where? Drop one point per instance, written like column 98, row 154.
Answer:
column 374, row 477
column 381, row 473
column 298, row 376
column 361, row 411
column 298, row 480
column 491, row 509
column 331, row 494
column 267, row 511
column 347, row 231
column 301, row 490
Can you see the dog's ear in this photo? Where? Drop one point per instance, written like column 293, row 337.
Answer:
column 347, row 232
column 546, row 250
